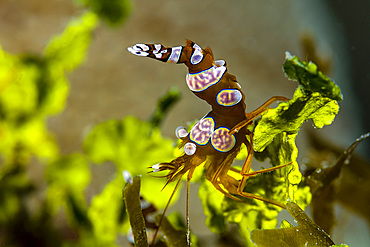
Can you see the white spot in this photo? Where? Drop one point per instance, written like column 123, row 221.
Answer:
column 288, row 55
column 158, row 55
column 196, row 46
column 136, row 51
column 175, row 54
column 181, row 132
column 130, row 236
column 197, row 55
column 190, row 148
column 157, row 48
column 325, row 164
column 143, row 47
column 144, row 204
column 303, row 167
column 156, row 52
column 156, row 167
column 127, row 176
column 220, row 63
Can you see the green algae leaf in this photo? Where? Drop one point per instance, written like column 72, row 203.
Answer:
column 30, row 88
column 283, row 150
column 278, row 185
column 173, row 236
column 254, row 214
column 128, row 143
column 50, row 83
column 274, row 138
column 132, row 200
column 132, row 145
column 275, row 133
column 212, row 205
column 69, row 172
column 324, row 184
column 285, row 224
column 173, row 230
column 34, row 87
column 14, row 185
column 106, row 216
column 19, row 96
column 67, row 177
column 8, row 69
column 307, row 233
column 251, row 215
column 69, row 49
column 164, row 104
column 32, row 137
column 105, row 213
column 113, row 12
column 289, row 116
column 310, row 78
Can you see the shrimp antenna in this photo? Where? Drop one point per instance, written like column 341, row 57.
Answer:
column 187, row 212
column 164, row 212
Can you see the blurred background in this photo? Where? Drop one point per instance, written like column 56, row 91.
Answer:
column 252, row 36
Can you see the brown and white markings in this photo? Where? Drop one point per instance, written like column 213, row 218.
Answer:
column 216, row 139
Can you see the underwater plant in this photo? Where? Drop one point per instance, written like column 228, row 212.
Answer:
column 59, row 210
column 273, row 137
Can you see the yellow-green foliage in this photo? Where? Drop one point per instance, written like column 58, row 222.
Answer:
column 274, row 138
column 132, row 145
column 33, row 88
column 113, row 12
column 307, row 233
